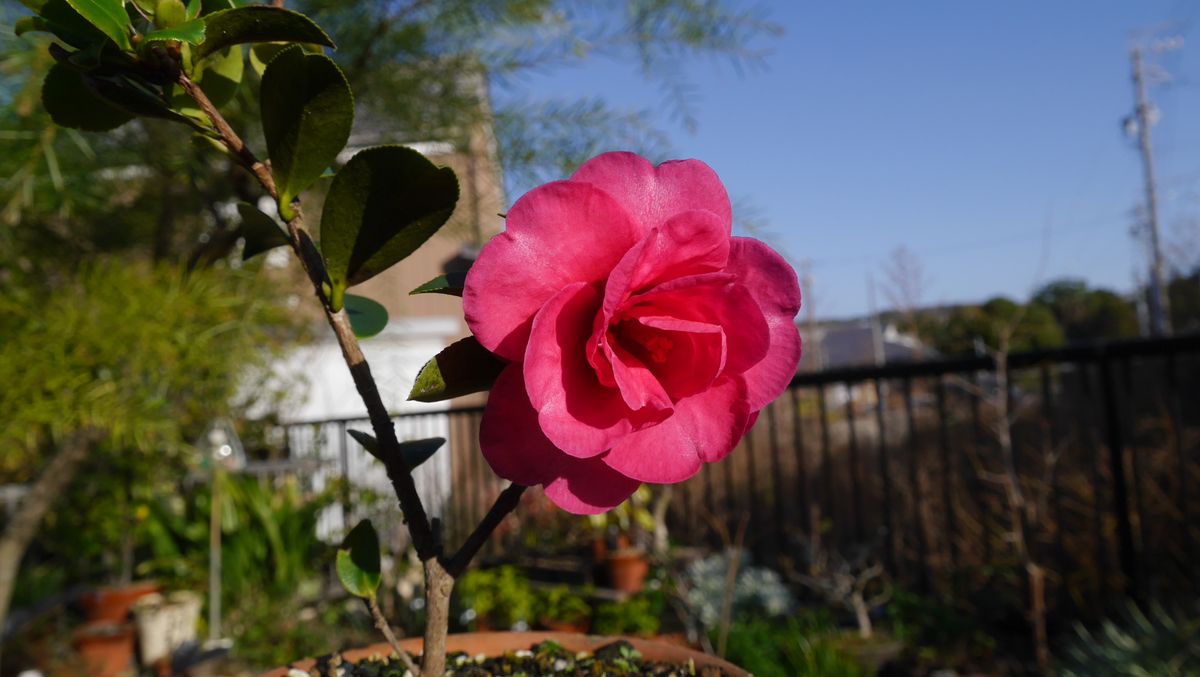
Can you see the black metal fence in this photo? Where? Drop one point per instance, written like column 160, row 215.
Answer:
column 935, row 468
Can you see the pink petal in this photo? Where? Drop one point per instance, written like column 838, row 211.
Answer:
column 690, row 243
column 579, row 414
column 589, row 487
column 510, row 438
column 652, row 195
column 638, row 385
column 713, row 298
column 773, row 284
column 704, row 428
column 664, row 343
column 557, row 234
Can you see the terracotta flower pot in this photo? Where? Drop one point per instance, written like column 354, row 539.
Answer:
column 497, row 643
column 113, row 603
column 627, row 570
column 106, row 648
column 559, row 625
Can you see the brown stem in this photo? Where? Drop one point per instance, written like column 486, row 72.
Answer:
column 505, row 503
column 228, row 137
column 381, row 624
column 438, row 586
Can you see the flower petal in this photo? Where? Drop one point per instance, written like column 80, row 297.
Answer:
column 691, row 243
column 704, row 428
column 652, row 195
column 579, row 414
column 713, row 298
column 685, row 356
column 510, row 438
column 589, row 487
column 555, row 235
column 773, row 284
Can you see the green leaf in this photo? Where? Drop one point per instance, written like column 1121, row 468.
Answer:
column 107, row 15
column 307, row 112
column 69, row 26
column 414, row 452
column 193, row 9
column 259, row 23
column 358, row 561
column 169, row 13
column 191, row 32
column 383, row 205
column 367, row 317
column 220, row 76
column 71, row 103
column 136, row 96
column 462, row 368
column 450, row 284
column 260, row 231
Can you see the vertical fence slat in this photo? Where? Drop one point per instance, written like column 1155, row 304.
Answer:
column 780, row 510
column 1116, row 467
column 980, row 489
column 947, row 480
column 804, row 506
column 828, row 506
column 914, row 479
column 855, row 472
column 885, row 475
column 1054, row 455
column 1175, row 419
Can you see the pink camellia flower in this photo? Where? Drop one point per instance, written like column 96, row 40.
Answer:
column 642, row 338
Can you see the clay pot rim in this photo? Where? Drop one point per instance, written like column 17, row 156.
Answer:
column 653, row 650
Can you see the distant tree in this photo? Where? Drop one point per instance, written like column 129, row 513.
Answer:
column 1087, row 314
column 1032, row 326
column 1184, row 292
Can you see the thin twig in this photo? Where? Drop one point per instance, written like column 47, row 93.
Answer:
column 381, row 624
column 505, row 503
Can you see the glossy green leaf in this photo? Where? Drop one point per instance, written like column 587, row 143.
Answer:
column 367, row 317
column 220, row 76
column 383, row 205
column 169, row 13
column 71, row 103
column 193, row 9
column 414, row 452
column 307, row 112
column 462, row 368
column 358, row 561
column 450, row 283
column 259, row 23
column 137, row 97
column 191, row 32
column 260, row 231
column 107, row 15
column 69, row 26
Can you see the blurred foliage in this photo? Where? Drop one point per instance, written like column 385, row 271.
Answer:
column 797, row 646
column 500, row 598
column 1030, row 326
column 934, row 629
column 1088, row 314
column 269, row 545
column 559, row 603
column 639, row 615
column 1184, row 297
column 1152, row 643
column 143, row 353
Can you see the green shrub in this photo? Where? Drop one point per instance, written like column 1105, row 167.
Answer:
column 501, row 596
column 793, row 647
column 1140, row 644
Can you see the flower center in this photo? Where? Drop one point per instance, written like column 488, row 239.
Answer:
column 658, row 347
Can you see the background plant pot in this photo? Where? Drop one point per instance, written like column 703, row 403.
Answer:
column 627, row 570
column 559, row 625
column 113, row 603
column 496, row 643
column 106, row 648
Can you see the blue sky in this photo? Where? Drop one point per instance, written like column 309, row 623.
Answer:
column 984, row 137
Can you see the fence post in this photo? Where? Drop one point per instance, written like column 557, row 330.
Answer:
column 1116, row 465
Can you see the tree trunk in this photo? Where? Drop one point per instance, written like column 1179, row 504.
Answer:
column 23, row 524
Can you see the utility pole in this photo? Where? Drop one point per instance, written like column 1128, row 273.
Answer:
column 1160, row 323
